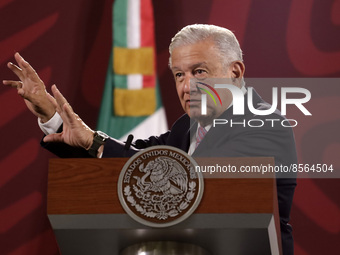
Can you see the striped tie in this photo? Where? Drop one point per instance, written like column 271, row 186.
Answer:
column 200, row 135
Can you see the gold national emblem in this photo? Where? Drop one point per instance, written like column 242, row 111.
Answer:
column 159, row 186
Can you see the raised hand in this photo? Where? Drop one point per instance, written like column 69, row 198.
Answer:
column 43, row 105
column 31, row 88
column 75, row 131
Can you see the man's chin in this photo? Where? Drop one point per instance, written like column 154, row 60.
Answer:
column 202, row 119
column 194, row 113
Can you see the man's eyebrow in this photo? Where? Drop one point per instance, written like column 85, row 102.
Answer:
column 200, row 64
column 175, row 68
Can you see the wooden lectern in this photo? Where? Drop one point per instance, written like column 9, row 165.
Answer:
column 235, row 216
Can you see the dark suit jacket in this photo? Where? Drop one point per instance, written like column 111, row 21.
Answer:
column 224, row 141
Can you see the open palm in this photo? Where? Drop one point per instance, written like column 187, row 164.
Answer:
column 31, row 88
column 75, row 131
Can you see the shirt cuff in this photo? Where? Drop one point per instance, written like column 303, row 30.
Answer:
column 52, row 125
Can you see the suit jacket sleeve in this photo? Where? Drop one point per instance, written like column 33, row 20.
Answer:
column 112, row 148
column 115, row 148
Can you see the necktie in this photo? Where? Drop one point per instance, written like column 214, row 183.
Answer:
column 200, row 135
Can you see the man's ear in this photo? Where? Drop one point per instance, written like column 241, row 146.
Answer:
column 238, row 69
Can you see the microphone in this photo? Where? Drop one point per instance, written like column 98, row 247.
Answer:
column 128, row 144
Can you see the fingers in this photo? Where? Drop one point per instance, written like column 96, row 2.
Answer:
column 24, row 69
column 14, row 84
column 53, row 138
column 70, row 115
column 62, row 106
column 52, row 100
column 16, row 70
column 59, row 98
column 21, row 61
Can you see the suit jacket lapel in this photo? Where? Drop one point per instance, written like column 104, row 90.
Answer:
column 214, row 135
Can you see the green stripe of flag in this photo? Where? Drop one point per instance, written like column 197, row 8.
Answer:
column 120, row 23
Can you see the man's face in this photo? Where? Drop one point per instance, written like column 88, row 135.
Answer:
column 197, row 62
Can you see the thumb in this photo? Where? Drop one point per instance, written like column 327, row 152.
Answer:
column 53, row 138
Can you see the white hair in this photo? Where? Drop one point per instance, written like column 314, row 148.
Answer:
column 225, row 41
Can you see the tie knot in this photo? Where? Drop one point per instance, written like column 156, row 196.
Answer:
column 200, row 135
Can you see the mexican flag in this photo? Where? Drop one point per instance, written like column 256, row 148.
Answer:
column 131, row 101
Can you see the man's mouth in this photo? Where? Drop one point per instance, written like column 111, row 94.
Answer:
column 193, row 102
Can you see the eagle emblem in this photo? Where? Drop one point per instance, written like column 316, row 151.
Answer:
column 159, row 186
column 163, row 175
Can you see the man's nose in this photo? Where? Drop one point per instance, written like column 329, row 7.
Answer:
column 190, row 84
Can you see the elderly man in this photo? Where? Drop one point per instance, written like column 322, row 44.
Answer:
column 197, row 53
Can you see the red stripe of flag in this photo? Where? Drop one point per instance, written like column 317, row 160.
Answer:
column 148, row 37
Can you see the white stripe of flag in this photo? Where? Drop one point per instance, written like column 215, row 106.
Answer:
column 134, row 81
